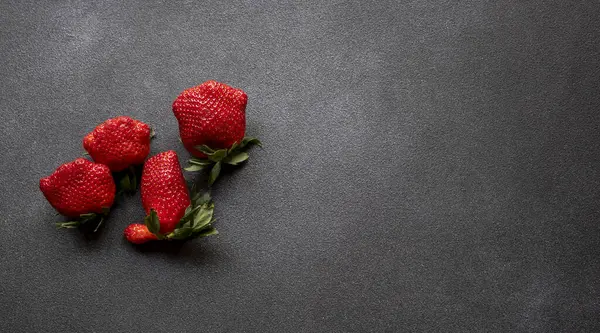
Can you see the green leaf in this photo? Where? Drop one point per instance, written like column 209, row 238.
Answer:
column 202, row 219
column 202, row 199
column 181, row 233
column 68, row 225
column 205, row 149
column 152, row 222
column 198, row 161
column 132, row 178
column 218, row 155
column 89, row 218
column 201, row 228
column 99, row 224
column 91, row 221
column 194, row 168
column 185, row 218
column 207, row 232
column 236, row 158
column 233, row 147
column 194, row 194
column 183, row 223
column 128, row 181
column 124, row 183
column 214, row 173
column 248, row 141
column 190, row 215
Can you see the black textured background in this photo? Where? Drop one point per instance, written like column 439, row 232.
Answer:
column 428, row 166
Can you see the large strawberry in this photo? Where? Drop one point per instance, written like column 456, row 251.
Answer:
column 119, row 143
column 80, row 189
column 172, row 214
column 212, row 123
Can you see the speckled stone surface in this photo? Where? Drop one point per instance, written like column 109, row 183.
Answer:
column 428, row 166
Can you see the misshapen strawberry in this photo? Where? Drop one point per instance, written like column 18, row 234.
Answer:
column 79, row 189
column 164, row 190
column 119, row 143
column 212, row 124
column 172, row 214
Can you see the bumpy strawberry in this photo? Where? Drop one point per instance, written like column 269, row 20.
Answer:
column 212, row 123
column 164, row 190
column 119, row 143
column 79, row 189
column 172, row 214
column 138, row 234
column 212, row 114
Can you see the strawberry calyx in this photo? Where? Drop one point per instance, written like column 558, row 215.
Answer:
column 93, row 220
column 235, row 155
column 197, row 221
column 127, row 180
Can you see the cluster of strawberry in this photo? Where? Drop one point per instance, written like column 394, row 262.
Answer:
column 212, row 124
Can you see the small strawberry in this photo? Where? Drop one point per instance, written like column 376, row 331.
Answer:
column 172, row 214
column 80, row 189
column 138, row 234
column 119, row 143
column 212, row 124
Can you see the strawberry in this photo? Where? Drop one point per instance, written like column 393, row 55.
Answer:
column 212, row 114
column 119, row 143
column 138, row 233
column 172, row 214
column 79, row 189
column 212, row 124
column 164, row 190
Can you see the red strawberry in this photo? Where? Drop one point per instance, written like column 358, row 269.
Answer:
column 138, row 234
column 212, row 123
column 211, row 114
column 172, row 214
column 119, row 143
column 79, row 187
column 164, row 190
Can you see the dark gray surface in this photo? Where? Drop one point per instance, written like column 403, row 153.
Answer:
column 428, row 166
